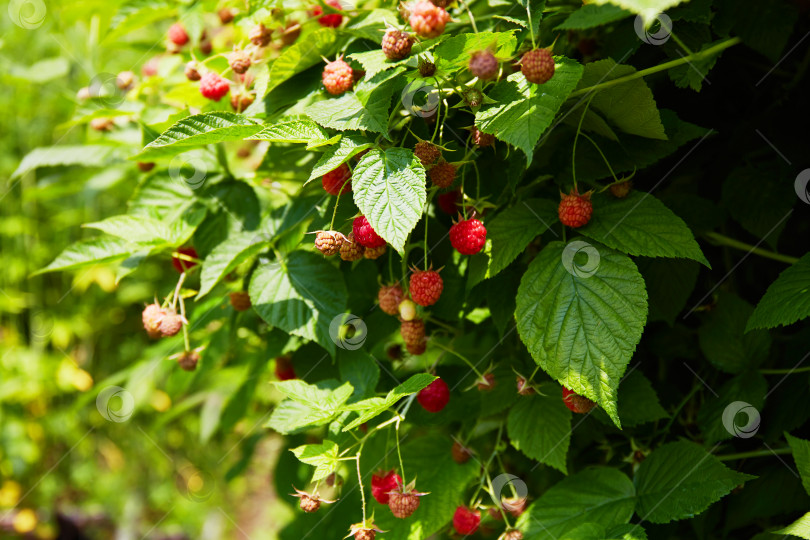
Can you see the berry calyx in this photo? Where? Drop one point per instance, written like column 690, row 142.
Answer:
column 413, row 334
column 442, row 174
column 260, row 35
column 473, row 97
column 213, row 86
column 404, row 501
column 332, row 20
column 427, row 152
column 338, row 181
column 575, row 210
column 188, row 360
column 329, row 242
column 337, row 77
column 183, row 265
column 426, row 287
column 481, row 139
column 487, row 382
column 461, row 454
column 396, row 44
column 622, row 189
column 427, row 19
column 242, row 100
column 191, row 71
column 240, row 300
column 284, row 369
column 514, row 534
column 364, row 531
column 383, row 484
column 426, row 68
column 466, row 520
column 310, row 502
column 537, row 66
column 407, row 310
column 365, row 234
column 523, row 386
column 177, row 34
column 239, row 61
column 435, row 396
column 226, row 15
column 389, row 299
column 484, row 65
column 468, row 236
column 350, row 249
column 576, row 403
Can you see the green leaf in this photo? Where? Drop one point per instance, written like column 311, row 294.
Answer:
column 136, row 14
column 628, row 531
column 630, row 106
column 640, row 224
column 199, row 130
column 301, row 295
column 801, row 455
column 91, row 155
column 799, row 528
column 364, row 109
column 389, row 189
column 89, row 253
column 750, row 388
column 723, row 338
column 324, row 457
column 454, row 53
column 307, row 405
column 372, row 407
column 669, row 285
column 140, row 229
column 540, row 427
column 305, row 53
column 787, row 299
column 600, row 495
column 680, row 480
column 638, row 402
column 648, row 9
column 359, row 368
column 582, row 320
column 292, row 131
column 349, row 145
column 524, row 111
column 227, row 256
column 590, row 16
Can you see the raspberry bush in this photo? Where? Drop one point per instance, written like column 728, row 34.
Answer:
column 530, row 269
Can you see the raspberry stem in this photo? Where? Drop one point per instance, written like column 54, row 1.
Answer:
column 576, row 139
column 531, row 26
column 717, row 238
column 360, row 480
column 462, row 357
column 470, row 15
column 399, row 452
column 613, row 174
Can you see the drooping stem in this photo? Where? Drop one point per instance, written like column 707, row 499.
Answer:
column 360, row 481
column 613, row 174
column 576, row 139
column 531, row 26
column 717, row 238
column 755, row 453
column 334, row 210
column 788, row 371
column 177, row 289
column 399, row 454
column 461, row 356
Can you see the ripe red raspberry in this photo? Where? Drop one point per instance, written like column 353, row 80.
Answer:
column 350, row 249
column 225, row 15
column 434, row 397
column 461, row 454
column 239, row 61
column 213, row 86
column 329, row 242
column 374, row 253
column 188, row 360
column 389, row 298
column 284, row 369
column 151, row 317
column 365, row 234
column 337, row 77
column 171, row 323
column 468, row 236
column 260, row 35
column 523, row 386
column 413, row 334
column 404, row 501
column 484, row 65
column 427, row 152
column 466, row 520
column 575, row 210
column 396, row 44
column 383, row 484
column 622, row 189
column 332, row 20
column 338, row 181
column 177, row 34
column 487, row 382
column 576, row 403
column 514, row 534
column 481, row 139
column 191, row 71
column 182, row 265
column 426, row 19
column 240, row 300
column 537, row 66
column 442, row 174
column 449, row 202
column 426, row 287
